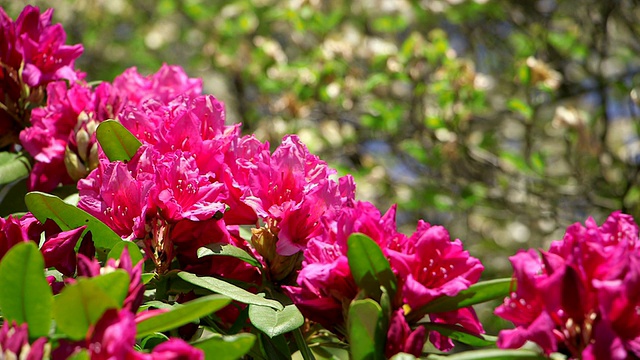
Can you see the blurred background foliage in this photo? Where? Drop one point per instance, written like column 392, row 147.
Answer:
column 505, row 121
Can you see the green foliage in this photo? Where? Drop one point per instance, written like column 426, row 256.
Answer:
column 366, row 334
column 369, row 268
column 181, row 314
column 46, row 206
column 275, row 322
column 25, row 295
column 81, row 305
column 116, row 141
column 477, row 293
column 225, row 288
column 229, row 347
column 13, row 166
column 221, row 249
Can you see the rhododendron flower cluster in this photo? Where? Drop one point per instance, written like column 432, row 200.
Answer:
column 273, row 229
column 580, row 297
column 32, row 54
column 62, row 139
column 428, row 265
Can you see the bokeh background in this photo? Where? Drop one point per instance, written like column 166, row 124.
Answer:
column 505, row 121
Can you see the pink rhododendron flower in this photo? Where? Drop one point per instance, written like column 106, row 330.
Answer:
column 63, row 132
column 580, row 297
column 32, row 53
column 59, row 251
column 115, row 195
column 400, row 337
column 166, row 84
column 31, row 41
column 290, row 190
column 14, row 343
column 14, row 231
column 176, row 349
column 326, row 286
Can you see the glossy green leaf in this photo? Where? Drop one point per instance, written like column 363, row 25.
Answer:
column 366, row 335
column 25, row 295
column 45, row 206
column 228, row 250
column 475, row 294
column 116, row 141
column 81, row 305
column 152, row 340
column 182, row 314
column 458, row 333
column 134, row 251
column 13, row 166
column 230, row 347
column 222, row 287
column 369, row 267
column 494, row 354
column 275, row 322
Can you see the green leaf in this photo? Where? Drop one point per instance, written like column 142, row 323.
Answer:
column 82, row 304
column 45, row 206
column 366, row 335
column 369, row 267
column 222, row 287
column 459, row 333
column 25, row 295
column 134, row 251
column 519, row 106
column 222, row 249
column 275, row 322
column 230, row 347
column 475, row 294
column 182, row 314
column 116, row 141
column 13, row 166
column 115, row 284
column 494, row 354
column 152, row 340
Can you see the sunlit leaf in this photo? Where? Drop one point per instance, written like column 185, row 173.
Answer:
column 25, row 295
column 369, row 267
column 366, row 335
column 116, row 141
column 275, row 322
column 182, row 314
column 45, row 206
column 222, row 249
column 222, row 287
column 229, row 347
column 477, row 293
column 82, row 304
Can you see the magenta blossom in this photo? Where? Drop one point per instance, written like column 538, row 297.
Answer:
column 326, row 286
column 14, row 343
column 32, row 54
column 428, row 265
column 580, row 298
column 400, row 337
column 290, row 190
column 37, row 45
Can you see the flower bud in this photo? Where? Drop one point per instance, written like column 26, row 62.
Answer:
column 280, row 267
